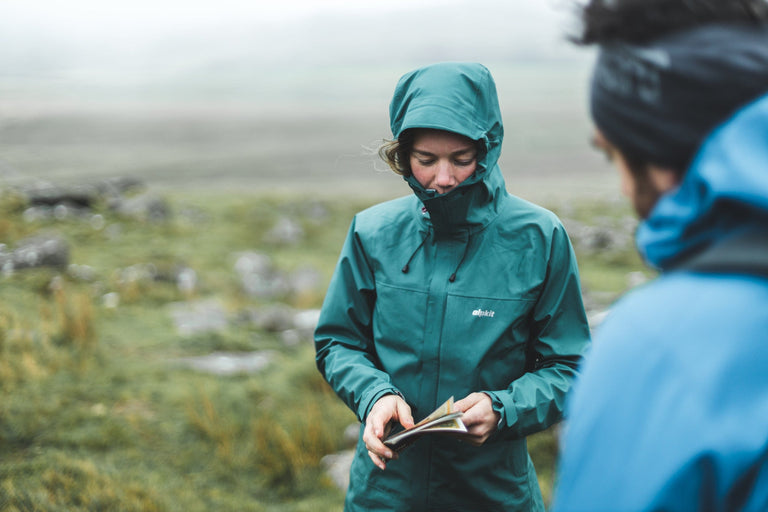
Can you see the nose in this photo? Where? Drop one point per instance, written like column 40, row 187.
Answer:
column 444, row 178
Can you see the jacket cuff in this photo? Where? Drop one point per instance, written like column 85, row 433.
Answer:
column 498, row 406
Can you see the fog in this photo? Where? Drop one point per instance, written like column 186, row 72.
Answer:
column 87, row 86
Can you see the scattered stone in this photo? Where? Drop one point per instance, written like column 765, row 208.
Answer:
column 202, row 316
column 351, row 433
column 259, row 278
column 47, row 194
column 82, row 272
column 136, row 273
column 636, row 278
column 292, row 337
column 111, row 300
column 97, row 222
column 40, row 251
column 286, row 231
column 305, row 281
column 145, row 207
column 230, row 363
column 316, row 211
column 5, row 255
column 186, row 280
column 306, row 320
column 59, row 212
column 596, row 318
column 604, row 235
column 119, row 186
column 273, row 318
column 283, row 319
column 337, row 467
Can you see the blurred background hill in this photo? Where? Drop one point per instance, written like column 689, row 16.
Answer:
column 272, row 96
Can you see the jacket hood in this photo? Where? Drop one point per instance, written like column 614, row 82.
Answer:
column 460, row 98
column 724, row 192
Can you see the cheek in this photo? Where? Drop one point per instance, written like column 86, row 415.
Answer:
column 422, row 174
column 465, row 172
column 627, row 183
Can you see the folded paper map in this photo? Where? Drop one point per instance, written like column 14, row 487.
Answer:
column 444, row 419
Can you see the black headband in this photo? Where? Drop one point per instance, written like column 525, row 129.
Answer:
column 658, row 101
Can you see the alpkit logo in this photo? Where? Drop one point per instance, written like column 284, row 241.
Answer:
column 483, row 312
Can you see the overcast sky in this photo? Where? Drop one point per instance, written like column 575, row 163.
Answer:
column 91, row 47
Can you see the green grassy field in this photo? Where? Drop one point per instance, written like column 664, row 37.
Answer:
column 97, row 414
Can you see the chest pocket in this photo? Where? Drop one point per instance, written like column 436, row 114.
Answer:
column 484, row 342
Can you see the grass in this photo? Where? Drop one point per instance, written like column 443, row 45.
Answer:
column 95, row 414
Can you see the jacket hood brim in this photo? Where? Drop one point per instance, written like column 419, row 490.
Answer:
column 724, row 192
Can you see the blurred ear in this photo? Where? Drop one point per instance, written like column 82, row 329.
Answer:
column 663, row 179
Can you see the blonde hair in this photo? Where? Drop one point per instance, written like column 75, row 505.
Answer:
column 396, row 153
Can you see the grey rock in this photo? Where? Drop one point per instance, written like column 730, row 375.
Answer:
column 636, row 278
column 41, row 251
column 306, row 320
column 595, row 318
column 195, row 317
column 286, row 231
column 119, row 186
column 110, row 300
column 305, row 280
column 337, row 467
column 82, row 272
column 273, row 318
column 230, row 363
column 351, row 433
column 605, row 234
column 47, row 194
column 145, row 207
column 186, row 280
column 259, row 278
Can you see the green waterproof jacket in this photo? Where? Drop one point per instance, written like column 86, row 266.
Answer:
column 443, row 295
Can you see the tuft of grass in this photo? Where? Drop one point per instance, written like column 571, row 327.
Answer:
column 61, row 483
column 74, row 320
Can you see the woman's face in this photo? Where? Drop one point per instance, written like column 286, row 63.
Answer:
column 441, row 160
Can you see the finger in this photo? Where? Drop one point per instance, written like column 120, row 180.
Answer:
column 466, row 403
column 404, row 414
column 376, row 447
column 376, row 423
column 461, row 405
column 377, row 460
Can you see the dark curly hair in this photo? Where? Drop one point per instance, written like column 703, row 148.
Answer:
column 637, row 21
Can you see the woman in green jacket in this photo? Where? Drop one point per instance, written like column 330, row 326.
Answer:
column 458, row 290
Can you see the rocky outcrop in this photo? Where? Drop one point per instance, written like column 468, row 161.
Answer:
column 37, row 251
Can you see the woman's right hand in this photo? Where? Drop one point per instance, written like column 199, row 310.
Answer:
column 386, row 410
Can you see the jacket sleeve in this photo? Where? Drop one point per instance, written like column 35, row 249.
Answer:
column 559, row 336
column 345, row 353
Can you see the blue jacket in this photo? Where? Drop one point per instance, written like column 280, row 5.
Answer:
column 671, row 411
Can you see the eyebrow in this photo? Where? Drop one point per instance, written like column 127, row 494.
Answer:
column 468, row 149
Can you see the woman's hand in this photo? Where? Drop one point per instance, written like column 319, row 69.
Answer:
column 385, row 411
column 479, row 417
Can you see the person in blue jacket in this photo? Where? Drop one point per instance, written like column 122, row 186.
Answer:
column 670, row 412
column 459, row 289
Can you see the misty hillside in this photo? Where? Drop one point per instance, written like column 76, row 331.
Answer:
column 241, row 54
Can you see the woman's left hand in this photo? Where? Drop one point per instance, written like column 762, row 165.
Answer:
column 479, row 417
